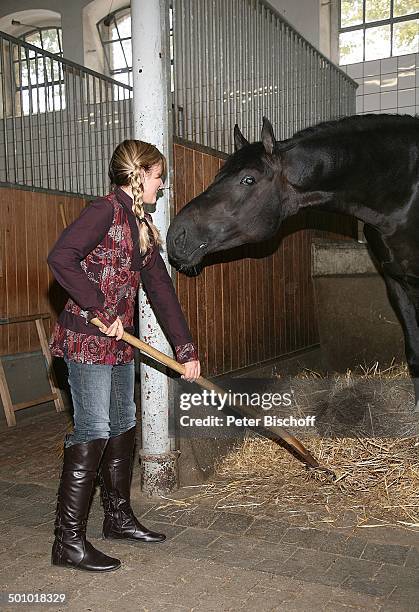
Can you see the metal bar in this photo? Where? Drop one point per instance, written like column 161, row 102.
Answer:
column 62, row 104
column 22, row 119
column 46, row 118
column 12, row 97
column 195, row 94
column 84, row 117
column 229, row 146
column 108, row 150
column 4, row 108
column 38, row 122
column 188, row 93
column 102, row 134
column 76, row 116
column 54, row 126
column 211, row 70
column 111, row 89
column 89, row 159
column 68, row 184
column 95, row 98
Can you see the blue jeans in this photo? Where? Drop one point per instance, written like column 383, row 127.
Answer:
column 103, row 400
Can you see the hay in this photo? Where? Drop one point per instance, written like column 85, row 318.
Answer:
column 376, row 464
column 377, row 482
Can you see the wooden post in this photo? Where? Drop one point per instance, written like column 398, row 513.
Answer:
column 58, row 402
column 6, row 399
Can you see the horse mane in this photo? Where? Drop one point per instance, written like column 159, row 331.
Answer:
column 354, row 123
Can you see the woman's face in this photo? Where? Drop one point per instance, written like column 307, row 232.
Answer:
column 152, row 182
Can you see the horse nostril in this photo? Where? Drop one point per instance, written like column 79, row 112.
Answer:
column 180, row 239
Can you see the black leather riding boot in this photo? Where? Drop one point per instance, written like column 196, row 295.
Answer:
column 70, row 548
column 115, row 479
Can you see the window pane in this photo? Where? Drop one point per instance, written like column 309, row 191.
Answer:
column 350, row 47
column 375, row 10
column 33, row 39
column 59, row 97
column 124, row 77
column 377, row 42
column 58, row 72
column 117, row 56
column 21, row 73
column 406, row 37
column 350, row 12
column 50, row 41
column 405, row 7
column 106, row 31
column 124, row 26
column 128, row 52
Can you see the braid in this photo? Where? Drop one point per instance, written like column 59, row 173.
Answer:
column 129, row 160
column 138, row 210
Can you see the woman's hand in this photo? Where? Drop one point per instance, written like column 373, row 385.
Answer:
column 115, row 329
column 192, row 370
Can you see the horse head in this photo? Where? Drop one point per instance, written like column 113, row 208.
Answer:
column 241, row 206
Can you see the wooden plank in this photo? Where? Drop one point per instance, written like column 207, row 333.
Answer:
column 24, row 318
column 6, row 399
column 249, row 300
column 270, row 302
column 297, row 288
column 12, row 273
column 4, row 216
column 35, row 402
column 21, row 271
column 31, row 267
column 179, row 177
column 58, row 400
column 43, row 250
column 198, row 178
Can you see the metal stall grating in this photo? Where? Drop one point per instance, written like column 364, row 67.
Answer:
column 236, row 60
column 59, row 122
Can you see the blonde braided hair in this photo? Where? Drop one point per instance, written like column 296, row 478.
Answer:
column 129, row 160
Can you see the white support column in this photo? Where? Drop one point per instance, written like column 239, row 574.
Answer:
column 151, row 80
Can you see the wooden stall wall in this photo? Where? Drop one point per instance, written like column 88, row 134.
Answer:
column 257, row 302
column 30, row 223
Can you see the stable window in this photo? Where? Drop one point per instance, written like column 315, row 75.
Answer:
column 374, row 29
column 39, row 79
column 115, row 34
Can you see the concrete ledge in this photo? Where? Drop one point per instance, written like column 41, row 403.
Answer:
column 340, row 258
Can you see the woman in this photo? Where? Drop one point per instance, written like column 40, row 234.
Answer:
column 98, row 260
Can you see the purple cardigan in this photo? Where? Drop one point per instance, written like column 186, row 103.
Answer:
column 71, row 257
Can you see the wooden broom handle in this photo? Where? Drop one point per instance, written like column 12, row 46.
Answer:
column 278, row 432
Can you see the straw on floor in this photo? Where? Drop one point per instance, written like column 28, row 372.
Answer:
column 377, row 477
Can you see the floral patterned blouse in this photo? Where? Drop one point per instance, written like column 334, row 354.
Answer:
column 98, row 262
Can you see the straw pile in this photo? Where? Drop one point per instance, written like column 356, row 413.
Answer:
column 377, row 476
column 377, row 480
column 377, row 483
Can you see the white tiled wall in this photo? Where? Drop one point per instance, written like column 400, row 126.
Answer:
column 389, row 85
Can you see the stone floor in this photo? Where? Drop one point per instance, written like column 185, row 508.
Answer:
column 212, row 560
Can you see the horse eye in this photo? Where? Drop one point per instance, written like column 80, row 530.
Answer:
column 247, row 180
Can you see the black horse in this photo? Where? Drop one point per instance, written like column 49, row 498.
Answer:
column 365, row 166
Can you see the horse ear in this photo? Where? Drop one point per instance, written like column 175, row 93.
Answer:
column 268, row 136
column 239, row 140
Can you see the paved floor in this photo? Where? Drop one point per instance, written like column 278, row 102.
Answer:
column 212, row 560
